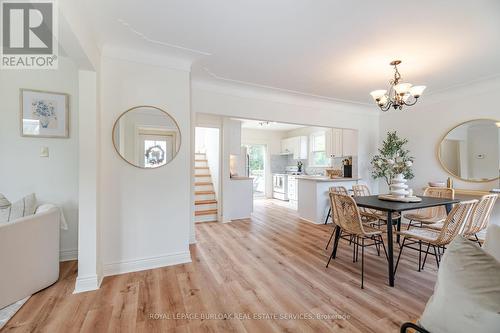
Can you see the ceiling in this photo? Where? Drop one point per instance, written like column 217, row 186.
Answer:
column 268, row 126
column 335, row 49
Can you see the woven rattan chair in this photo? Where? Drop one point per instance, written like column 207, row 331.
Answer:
column 433, row 214
column 369, row 214
column 478, row 220
column 348, row 222
column 452, row 226
column 338, row 190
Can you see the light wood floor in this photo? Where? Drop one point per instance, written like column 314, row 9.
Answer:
column 273, row 264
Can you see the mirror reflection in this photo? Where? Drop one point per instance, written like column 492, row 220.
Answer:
column 146, row 137
column 471, row 151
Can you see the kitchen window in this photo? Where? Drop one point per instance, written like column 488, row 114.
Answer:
column 318, row 156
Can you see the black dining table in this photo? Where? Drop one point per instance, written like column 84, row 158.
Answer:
column 391, row 207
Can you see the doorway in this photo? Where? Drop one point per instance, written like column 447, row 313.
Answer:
column 257, row 168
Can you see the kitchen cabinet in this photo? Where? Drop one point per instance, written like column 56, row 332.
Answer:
column 349, row 142
column 292, row 188
column 297, row 146
column 342, row 142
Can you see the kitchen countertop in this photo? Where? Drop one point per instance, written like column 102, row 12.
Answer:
column 325, row 178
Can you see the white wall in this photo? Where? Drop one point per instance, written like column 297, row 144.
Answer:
column 272, row 140
column 22, row 170
column 145, row 214
column 250, row 104
column 428, row 121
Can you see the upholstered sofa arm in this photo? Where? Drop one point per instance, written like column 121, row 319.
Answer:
column 29, row 255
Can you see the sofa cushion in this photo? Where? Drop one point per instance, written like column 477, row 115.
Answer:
column 467, row 293
column 492, row 241
column 13, row 211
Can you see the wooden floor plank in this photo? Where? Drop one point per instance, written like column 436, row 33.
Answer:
column 249, row 275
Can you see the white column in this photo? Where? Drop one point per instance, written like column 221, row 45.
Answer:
column 89, row 263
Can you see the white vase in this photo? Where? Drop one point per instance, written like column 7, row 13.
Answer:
column 398, row 186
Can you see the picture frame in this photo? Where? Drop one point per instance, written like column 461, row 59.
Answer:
column 44, row 114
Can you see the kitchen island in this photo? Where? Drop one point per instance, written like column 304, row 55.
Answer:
column 313, row 199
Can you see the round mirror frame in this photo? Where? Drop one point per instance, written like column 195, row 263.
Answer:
column 152, row 107
column 441, row 161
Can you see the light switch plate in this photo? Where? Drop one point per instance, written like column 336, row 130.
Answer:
column 44, row 152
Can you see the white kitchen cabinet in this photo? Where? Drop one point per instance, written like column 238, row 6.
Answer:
column 292, row 188
column 342, row 142
column 336, row 143
column 349, row 142
column 297, row 146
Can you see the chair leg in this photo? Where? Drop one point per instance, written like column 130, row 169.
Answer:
column 331, row 236
column 383, row 246
column 399, row 255
column 436, row 255
column 409, row 225
column 419, row 254
column 377, row 245
column 362, row 262
column 425, row 257
column 477, row 240
column 328, row 215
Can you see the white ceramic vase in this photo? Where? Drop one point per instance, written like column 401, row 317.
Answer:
column 398, row 187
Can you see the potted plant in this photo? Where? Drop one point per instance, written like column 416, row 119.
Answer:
column 393, row 161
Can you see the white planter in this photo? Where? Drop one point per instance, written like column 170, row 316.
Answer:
column 398, row 186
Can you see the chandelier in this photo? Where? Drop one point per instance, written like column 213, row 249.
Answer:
column 399, row 94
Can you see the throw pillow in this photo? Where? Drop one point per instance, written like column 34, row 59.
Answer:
column 4, row 209
column 467, row 293
column 23, row 207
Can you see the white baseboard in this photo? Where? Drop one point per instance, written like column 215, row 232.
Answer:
column 129, row 266
column 66, row 255
column 87, row 283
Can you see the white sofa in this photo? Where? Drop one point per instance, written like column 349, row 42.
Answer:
column 29, row 255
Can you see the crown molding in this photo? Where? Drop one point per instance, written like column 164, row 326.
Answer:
column 282, row 90
column 280, row 96
column 141, row 57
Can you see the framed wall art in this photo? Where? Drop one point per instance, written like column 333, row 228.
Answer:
column 44, row 114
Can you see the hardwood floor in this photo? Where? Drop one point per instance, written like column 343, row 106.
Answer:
column 271, row 266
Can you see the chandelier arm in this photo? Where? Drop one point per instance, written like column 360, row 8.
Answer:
column 386, row 107
column 413, row 103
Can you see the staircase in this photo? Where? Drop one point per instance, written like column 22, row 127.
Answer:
column 204, row 195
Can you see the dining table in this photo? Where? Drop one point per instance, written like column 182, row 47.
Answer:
column 391, row 207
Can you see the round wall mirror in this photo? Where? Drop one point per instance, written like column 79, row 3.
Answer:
column 146, row 137
column 471, row 150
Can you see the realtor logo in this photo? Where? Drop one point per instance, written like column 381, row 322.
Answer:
column 28, row 33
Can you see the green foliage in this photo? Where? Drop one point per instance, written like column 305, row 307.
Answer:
column 256, row 157
column 393, row 159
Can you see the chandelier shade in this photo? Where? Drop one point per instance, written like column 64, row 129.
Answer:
column 399, row 93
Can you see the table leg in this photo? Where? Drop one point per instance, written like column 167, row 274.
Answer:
column 390, row 250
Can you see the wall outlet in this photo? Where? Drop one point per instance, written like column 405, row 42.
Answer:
column 44, row 152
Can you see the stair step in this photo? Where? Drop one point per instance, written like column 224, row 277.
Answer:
column 198, row 160
column 205, row 202
column 206, row 168
column 206, row 212
column 204, row 192
column 203, row 183
column 205, row 218
column 203, row 175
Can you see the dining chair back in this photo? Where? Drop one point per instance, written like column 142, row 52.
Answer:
column 338, row 190
column 480, row 215
column 347, row 214
column 438, row 212
column 455, row 222
column 361, row 190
